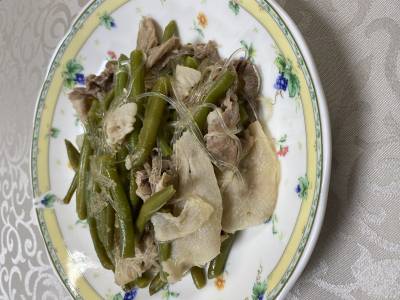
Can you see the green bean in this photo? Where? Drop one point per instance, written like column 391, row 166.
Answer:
column 110, row 223
column 73, row 155
column 108, row 99
column 98, row 246
column 170, row 30
column 101, row 226
column 83, row 174
column 144, row 280
column 121, row 79
column 217, row 91
column 217, row 265
column 191, row 62
column 166, row 149
column 93, row 117
column 164, row 250
column 134, row 199
column 152, row 205
column 198, row 276
column 71, row 190
column 132, row 143
column 121, row 206
column 133, row 139
column 137, row 73
column 156, row 284
column 105, row 226
column 122, row 171
column 122, row 58
column 130, row 285
column 152, row 119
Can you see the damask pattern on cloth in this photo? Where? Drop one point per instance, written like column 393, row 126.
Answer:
column 356, row 46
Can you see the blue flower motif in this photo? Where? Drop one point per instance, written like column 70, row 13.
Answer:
column 107, row 21
column 48, row 200
column 302, row 187
column 79, row 78
column 131, row 295
column 298, row 189
column 281, row 82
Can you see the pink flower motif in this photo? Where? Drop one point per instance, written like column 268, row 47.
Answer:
column 283, row 151
column 111, row 55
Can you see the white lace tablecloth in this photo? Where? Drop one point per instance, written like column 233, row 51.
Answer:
column 356, row 45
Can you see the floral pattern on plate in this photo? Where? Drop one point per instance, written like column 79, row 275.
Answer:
column 302, row 187
column 200, row 23
column 234, row 7
column 54, row 132
column 107, row 21
column 73, row 74
column 259, row 287
column 287, row 79
column 249, row 49
column 283, row 149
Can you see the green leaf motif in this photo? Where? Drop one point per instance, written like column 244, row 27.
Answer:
column 198, row 29
column 118, row 297
column 280, row 63
column 107, row 21
column 167, row 294
column 54, row 132
column 249, row 48
column 283, row 139
column 293, row 85
column 259, row 290
column 48, row 200
column 285, row 67
column 302, row 187
column 234, row 7
column 72, row 67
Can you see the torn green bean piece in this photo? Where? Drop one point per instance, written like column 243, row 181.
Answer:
column 217, row 265
column 217, row 91
column 153, row 205
column 122, row 59
column 156, row 284
column 73, row 155
column 198, row 276
column 144, row 280
column 191, row 62
column 170, row 30
column 164, row 250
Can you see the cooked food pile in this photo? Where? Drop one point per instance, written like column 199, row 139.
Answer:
column 173, row 161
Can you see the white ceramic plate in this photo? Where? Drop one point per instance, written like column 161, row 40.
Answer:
column 267, row 259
